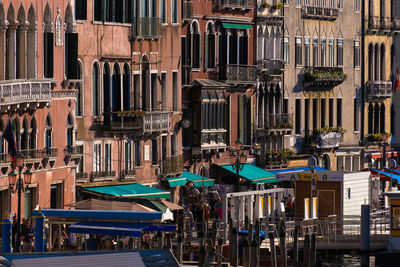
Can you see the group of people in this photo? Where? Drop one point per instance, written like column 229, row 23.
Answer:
column 27, row 235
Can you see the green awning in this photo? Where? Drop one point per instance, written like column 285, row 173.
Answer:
column 237, row 26
column 253, row 174
column 197, row 179
column 130, row 190
column 176, row 181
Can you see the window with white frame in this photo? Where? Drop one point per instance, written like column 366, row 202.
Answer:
column 298, row 52
column 357, row 60
column 107, row 157
column 340, row 52
column 357, row 5
column 315, row 52
column 331, row 53
column 128, row 156
column 97, row 157
column 323, row 52
column 174, row 11
column 163, row 11
column 307, row 51
column 286, row 50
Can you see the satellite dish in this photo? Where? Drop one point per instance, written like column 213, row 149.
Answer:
column 392, row 164
column 312, row 162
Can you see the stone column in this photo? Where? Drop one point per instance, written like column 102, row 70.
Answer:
column 21, row 60
column 31, row 52
column 12, row 51
column 3, row 44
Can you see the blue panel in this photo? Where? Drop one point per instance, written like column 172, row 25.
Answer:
column 100, row 214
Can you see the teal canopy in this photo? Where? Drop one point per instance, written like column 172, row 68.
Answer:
column 176, row 181
column 236, row 26
column 197, row 179
column 130, row 190
column 253, row 174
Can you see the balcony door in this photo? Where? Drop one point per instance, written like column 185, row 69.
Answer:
column 56, row 196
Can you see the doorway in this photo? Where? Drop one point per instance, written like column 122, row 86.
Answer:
column 56, row 196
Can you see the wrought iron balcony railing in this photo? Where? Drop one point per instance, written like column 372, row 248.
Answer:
column 232, row 73
column 323, row 77
column 240, row 4
column 144, row 121
column 377, row 23
column 172, row 165
column 213, row 138
column 321, row 13
column 32, row 154
column 276, row 121
column 5, row 158
column 128, row 173
column 379, row 89
column 102, row 175
column 147, row 28
column 50, row 152
column 271, row 66
column 187, row 11
column 81, row 175
column 74, row 150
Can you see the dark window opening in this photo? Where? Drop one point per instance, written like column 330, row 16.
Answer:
column 80, row 9
column 48, row 54
column 339, row 112
column 298, row 116
column 71, row 55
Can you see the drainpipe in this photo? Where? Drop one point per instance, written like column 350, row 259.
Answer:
column 362, row 71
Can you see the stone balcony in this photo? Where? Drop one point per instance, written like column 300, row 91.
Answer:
column 128, row 174
column 271, row 67
column 139, row 121
column 320, row 13
column 81, row 177
column 73, row 151
column 269, row 14
column 379, row 89
column 236, row 4
column 237, row 74
column 213, row 139
column 323, row 78
column 147, row 28
column 25, row 94
column 324, row 140
column 100, row 176
column 280, row 122
column 384, row 25
column 172, row 166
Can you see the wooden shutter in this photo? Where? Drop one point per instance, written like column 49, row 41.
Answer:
column 71, row 55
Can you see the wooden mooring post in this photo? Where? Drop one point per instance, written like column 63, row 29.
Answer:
column 306, row 251
column 272, row 248
column 246, row 253
column 296, row 246
column 255, row 256
column 219, row 258
column 313, row 251
column 202, row 256
column 282, row 244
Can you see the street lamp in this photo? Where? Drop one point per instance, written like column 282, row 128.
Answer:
column 19, row 187
column 238, row 162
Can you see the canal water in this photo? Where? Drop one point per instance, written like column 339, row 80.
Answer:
column 348, row 259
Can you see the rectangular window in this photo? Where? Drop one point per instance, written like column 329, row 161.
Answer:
column 163, row 11
column 315, row 52
column 154, row 92
column 298, row 2
column 298, row 116
column 154, row 152
column 285, row 108
column 307, row 116
column 331, row 53
column 48, row 56
column 164, row 147
column 357, row 5
column 298, row 52
column 164, row 93
column 173, row 145
column 357, row 60
column 307, row 51
column 332, row 3
column 80, row 9
column 339, row 112
column 98, row 10
column 136, row 90
column 286, row 50
column 97, row 157
column 315, row 113
column 138, row 155
column 71, row 55
column 128, row 156
column 340, row 4
column 107, row 157
column 323, row 52
column 307, row 2
column 175, row 95
column 330, row 112
column 355, row 115
column 323, row 112
column 340, row 52
column 174, row 11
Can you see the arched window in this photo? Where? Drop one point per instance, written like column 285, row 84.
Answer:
column 370, row 62
column 96, row 89
column 278, row 41
column 48, row 131
column 48, row 38
column 127, row 87
column 370, row 118
column 3, row 56
column 71, row 45
column 196, row 45
column 106, row 88
column 21, row 44
column 383, row 63
column 376, row 119
column 210, row 46
column 116, row 88
column 382, row 119
column 11, row 44
column 260, row 43
column 243, row 47
column 326, row 162
column 377, row 63
column 146, row 90
column 382, row 8
column 33, row 134
column 271, row 45
column 233, row 47
column 80, row 93
column 223, row 47
column 221, row 112
column 70, row 130
column 213, row 110
column 25, row 134
column 204, row 111
column 265, row 44
column 17, row 133
column 32, row 41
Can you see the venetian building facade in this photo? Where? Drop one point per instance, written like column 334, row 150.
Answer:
column 218, row 82
column 321, row 53
column 38, row 46
column 129, row 103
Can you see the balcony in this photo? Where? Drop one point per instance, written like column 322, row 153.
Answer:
column 320, row 13
column 141, row 121
column 25, row 94
column 270, row 14
column 102, row 176
column 147, row 28
column 379, row 89
column 277, row 122
column 81, row 177
column 382, row 24
column 213, row 139
column 33, row 155
column 322, row 78
column 396, row 24
column 236, row 4
column 73, row 151
column 271, row 67
column 5, row 160
column 238, row 74
column 172, row 166
column 325, row 138
column 50, row 152
column 128, row 174
column 187, row 11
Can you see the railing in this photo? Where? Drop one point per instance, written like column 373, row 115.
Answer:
column 101, row 175
column 242, row 4
column 5, row 158
column 33, row 153
column 322, row 13
column 213, row 138
column 50, row 152
column 17, row 91
column 271, row 66
column 128, row 173
column 377, row 89
column 238, row 73
column 277, row 121
column 81, row 175
column 396, row 24
column 323, row 76
column 377, row 23
column 147, row 27
column 187, row 11
column 148, row 121
column 73, row 150
column 172, row 165
column 324, row 140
